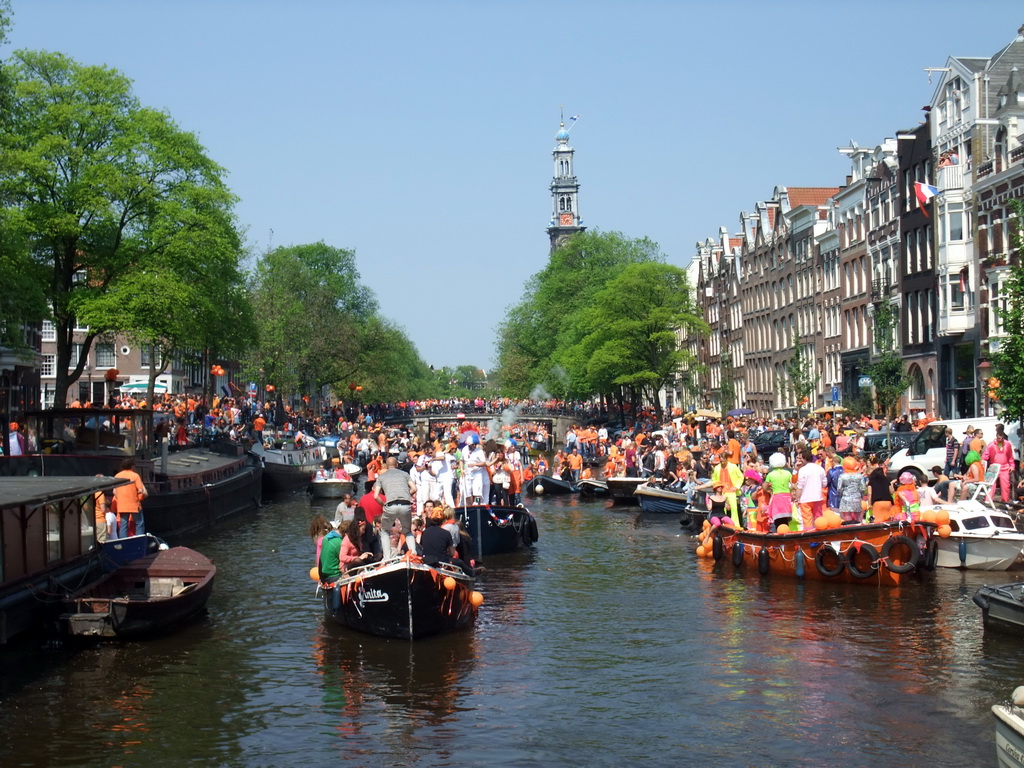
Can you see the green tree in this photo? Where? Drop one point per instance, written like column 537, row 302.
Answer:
column 312, row 316
column 189, row 296
column 390, row 367
column 801, row 379
column 23, row 298
column 886, row 369
column 633, row 321
column 1008, row 362
column 101, row 186
column 536, row 340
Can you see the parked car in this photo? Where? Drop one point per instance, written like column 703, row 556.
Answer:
column 877, row 443
column 769, row 441
column 928, row 448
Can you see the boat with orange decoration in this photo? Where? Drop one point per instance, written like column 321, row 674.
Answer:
column 402, row 598
column 879, row 553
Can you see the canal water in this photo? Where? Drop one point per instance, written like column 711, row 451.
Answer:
column 610, row 644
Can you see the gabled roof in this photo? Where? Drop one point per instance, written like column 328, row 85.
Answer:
column 971, row 63
column 810, row 195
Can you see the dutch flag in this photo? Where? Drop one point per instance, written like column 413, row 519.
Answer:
column 924, row 192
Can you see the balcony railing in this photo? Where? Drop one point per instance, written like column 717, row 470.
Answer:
column 957, row 321
column 951, row 177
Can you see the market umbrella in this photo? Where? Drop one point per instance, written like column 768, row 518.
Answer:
column 740, row 412
column 143, row 386
column 830, row 409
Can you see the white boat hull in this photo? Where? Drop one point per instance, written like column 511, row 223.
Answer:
column 992, row 553
column 1009, row 736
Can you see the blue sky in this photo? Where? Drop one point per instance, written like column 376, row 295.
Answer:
column 419, row 134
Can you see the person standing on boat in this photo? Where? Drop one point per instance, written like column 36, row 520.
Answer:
column 811, row 482
column 477, row 481
column 778, row 481
column 395, row 490
column 129, row 500
column 1000, row 452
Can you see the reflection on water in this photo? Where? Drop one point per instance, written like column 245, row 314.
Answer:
column 610, row 644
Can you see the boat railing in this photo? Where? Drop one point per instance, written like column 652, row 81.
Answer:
column 361, row 570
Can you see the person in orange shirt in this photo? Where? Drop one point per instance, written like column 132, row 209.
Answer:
column 258, row 425
column 129, row 500
column 575, row 465
column 732, row 448
column 609, row 467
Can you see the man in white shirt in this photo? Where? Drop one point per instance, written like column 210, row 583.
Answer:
column 811, row 480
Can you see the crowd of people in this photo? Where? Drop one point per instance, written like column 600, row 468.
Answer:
column 821, row 466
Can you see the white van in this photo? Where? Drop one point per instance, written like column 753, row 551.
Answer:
column 929, row 447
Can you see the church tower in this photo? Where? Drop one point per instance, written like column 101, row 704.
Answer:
column 565, row 213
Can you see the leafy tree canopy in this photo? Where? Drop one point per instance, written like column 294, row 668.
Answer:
column 1008, row 362
column 536, row 340
column 106, row 194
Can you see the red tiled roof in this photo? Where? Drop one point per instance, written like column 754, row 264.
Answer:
column 771, row 217
column 810, row 195
column 735, row 242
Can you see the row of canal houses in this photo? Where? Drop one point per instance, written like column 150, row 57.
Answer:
column 808, row 267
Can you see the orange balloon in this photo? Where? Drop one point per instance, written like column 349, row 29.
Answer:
column 942, row 517
column 449, row 583
column 821, row 523
column 314, row 573
column 476, row 599
column 928, row 516
column 700, row 551
column 944, row 531
column 784, row 528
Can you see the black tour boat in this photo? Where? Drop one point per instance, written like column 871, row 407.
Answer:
column 402, row 598
column 496, row 530
column 542, row 485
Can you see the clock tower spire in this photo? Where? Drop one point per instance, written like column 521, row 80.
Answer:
column 565, row 189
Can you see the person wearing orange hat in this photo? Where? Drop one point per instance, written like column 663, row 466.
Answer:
column 16, row 440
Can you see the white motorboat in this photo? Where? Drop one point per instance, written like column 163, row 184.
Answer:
column 983, row 538
column 1010, row 731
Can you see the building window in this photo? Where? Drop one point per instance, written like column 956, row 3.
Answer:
column 105, row 356
column 146, row 353
column 48, row 367
column 956, row 221
column 49, row 331
column 76, row 355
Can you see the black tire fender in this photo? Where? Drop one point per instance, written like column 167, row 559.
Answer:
column 763, row 562
column 864, row 551
column 737, row 554
column 901, row 541
column 718, row 546
column 823, row 568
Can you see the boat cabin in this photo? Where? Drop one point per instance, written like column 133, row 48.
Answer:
column 47, row 544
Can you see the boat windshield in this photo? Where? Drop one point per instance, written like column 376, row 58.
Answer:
column 975, row 523
column 1003, row 522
